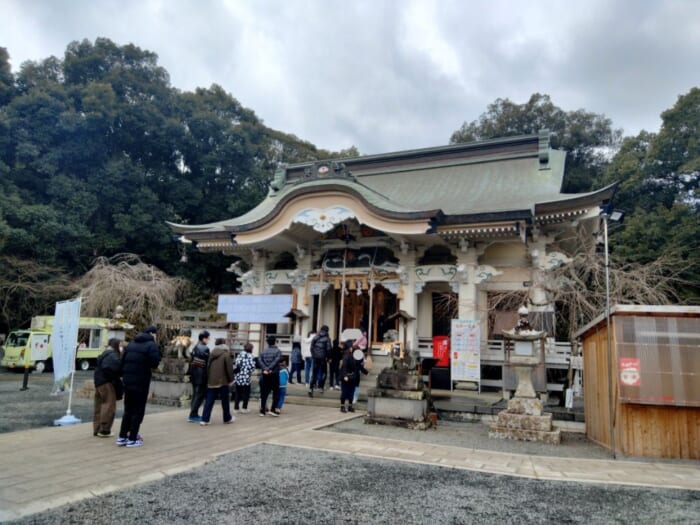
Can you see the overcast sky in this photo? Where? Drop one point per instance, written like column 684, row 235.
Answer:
column 388, row 75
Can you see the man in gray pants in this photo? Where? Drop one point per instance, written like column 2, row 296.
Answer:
column 198, row 375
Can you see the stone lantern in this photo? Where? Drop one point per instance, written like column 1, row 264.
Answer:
column 524, row 420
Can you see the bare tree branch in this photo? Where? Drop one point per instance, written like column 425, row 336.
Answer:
column 145, row 292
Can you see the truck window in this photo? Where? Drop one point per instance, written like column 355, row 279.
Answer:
column 17, row 339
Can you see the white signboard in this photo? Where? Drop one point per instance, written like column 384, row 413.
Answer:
column 64, row 340
column 465, row 351
column 255, row 308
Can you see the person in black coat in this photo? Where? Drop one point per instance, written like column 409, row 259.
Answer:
column 349, row 372
column 198, row 375
column 334, row 364
column 140, row 357
column 320, row 352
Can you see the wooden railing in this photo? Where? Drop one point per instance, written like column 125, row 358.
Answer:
column 557, row 353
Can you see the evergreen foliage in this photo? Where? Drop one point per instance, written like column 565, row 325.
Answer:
column 98, row 151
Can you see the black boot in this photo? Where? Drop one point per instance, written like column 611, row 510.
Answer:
column 342, row 409
column 350, row 409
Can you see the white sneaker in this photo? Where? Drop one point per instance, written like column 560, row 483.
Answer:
column 137, row 443
column 244, row 411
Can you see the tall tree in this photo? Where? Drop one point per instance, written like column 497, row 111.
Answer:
column 658, row 176
column 588, row 138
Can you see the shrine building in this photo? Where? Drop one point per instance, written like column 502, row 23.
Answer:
column 408, row 240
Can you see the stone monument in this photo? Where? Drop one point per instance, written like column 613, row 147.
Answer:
column 524, row 419
column 170, row 385
column 400, row 397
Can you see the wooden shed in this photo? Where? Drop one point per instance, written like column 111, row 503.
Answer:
column 652, row 369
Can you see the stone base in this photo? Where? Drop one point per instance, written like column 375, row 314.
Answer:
column 404, row 408
column 413, row 425
column 399, row 380
column 552, row 437
column 525, row 405
column 509, row 420
column 174, row 391
column 525, row 421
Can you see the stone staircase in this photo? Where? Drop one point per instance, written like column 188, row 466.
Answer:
column 297, row 394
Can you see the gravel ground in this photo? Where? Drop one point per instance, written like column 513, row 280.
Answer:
column 273, row 484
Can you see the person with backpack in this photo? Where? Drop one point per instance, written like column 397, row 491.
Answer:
column 320, row 352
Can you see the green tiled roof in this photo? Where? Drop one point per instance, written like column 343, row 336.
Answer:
column 490, row 177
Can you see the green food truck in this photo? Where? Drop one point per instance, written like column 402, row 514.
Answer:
column 31, row 348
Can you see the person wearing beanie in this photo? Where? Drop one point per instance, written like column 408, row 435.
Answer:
column 140, row 356
column 197, row 371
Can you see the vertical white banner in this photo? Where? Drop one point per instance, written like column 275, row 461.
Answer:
column 64, row 341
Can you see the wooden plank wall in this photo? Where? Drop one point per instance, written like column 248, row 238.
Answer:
column 640, row 430
column 595, row 386
column 658, row 431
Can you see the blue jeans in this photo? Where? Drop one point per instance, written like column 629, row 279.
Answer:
column 212, row 393
column 283, row 394
column 308, row 367
column 296, row 367
column 318, row 378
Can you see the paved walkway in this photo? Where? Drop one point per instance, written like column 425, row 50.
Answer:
column 47, row 467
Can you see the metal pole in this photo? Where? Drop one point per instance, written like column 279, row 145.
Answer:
column 320, row 297
column 611, row 394
column 342, row 296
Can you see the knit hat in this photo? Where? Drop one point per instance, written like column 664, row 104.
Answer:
column 150, row 330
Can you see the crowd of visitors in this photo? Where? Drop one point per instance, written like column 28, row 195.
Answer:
column 215, row 374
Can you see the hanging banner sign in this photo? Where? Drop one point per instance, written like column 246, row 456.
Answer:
column 465, row 350
column 64, row 341
column 255, row 308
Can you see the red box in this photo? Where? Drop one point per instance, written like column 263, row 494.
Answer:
column 441, row 350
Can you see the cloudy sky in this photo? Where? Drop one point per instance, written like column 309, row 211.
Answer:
column 387, row 75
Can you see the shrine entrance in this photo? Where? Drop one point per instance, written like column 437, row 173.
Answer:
column 356, row 310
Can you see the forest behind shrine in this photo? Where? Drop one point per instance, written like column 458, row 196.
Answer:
column 98, row 151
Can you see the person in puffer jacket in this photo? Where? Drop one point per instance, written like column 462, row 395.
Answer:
column 219, row 380
column 140, row 357
column 320, row 352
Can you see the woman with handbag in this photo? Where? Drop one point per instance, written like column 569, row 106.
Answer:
column 108, row 388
